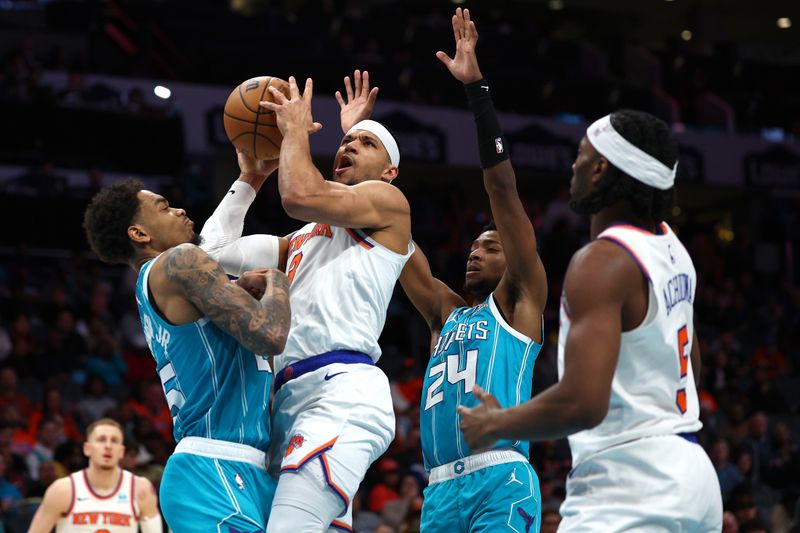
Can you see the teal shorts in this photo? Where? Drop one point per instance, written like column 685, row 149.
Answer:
column 504, row 497
column 203, row 494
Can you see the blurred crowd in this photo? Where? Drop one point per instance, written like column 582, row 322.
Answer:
column 71, row 350
column 575, row 63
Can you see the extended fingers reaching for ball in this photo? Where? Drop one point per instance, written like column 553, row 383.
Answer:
column 293, row 112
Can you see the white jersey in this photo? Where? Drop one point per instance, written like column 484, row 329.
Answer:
column 341, row 284
column 653, row 390
column 90, row 513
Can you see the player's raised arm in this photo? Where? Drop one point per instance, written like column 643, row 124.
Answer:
column 433, row 299
column 524, row 270
column 260, row 325
column 306, row 195
column 54, row 504
column 221, row 236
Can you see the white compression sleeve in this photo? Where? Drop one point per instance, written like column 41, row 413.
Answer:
column 152, row 524
column 227, row 222
column 247, row 253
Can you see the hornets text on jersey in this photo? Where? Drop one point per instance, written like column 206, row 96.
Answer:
column 476, row 345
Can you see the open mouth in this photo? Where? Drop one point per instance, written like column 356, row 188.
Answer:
column 344, row 163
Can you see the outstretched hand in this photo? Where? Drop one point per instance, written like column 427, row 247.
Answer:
column 294, row 111
column 464, row 66
column 475, row 421
column 360, row 102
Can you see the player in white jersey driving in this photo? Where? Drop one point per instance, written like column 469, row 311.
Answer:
column 101, row 497
column 332, row 407
column 628, row 354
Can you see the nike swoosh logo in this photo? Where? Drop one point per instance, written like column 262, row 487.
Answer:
column 232, row 192
column 485, row 87
column 329, row 376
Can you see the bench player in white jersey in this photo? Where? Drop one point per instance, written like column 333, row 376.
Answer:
column 102, row 497
column 628, row 354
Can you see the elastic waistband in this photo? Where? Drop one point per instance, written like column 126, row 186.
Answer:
column 310, row 364
column 473, row 463
column 220, row 449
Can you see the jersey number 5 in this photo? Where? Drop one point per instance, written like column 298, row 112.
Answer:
column 683, row 342
column 454, row 375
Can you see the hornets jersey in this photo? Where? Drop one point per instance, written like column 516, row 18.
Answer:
column 476, row 345
column 215, row 388
column 653, row 390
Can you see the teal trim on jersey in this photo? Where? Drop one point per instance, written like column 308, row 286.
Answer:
column 476, row 345
column 504, row 497
column 215, row 387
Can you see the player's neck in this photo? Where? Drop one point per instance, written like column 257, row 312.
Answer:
column 103, row 481
column 616, row 214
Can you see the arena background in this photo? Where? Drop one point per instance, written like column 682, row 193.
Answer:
column 79, row 107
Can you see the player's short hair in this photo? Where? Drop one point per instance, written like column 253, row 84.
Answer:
column 104, row 422
column 491, row 226
column 108, row 217
column 651, row 135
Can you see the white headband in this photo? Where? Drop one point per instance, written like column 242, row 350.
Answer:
column 380, row 131
column 627, row 157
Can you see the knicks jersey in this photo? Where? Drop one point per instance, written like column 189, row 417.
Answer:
column 215, row 387
column 476, row 345
column 341, row 284
column 653, row 390
column 91, row 513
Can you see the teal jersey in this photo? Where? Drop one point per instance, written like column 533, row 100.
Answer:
column 215, row 387
column 476, row 346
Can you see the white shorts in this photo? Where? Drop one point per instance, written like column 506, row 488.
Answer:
column 653, row 484
column 340, row 416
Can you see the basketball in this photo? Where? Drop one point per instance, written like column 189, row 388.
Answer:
column 250, row 127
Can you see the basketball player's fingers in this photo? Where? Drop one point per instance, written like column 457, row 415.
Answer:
column 348, row 87
column 454, row 21
column 444, row 58
column 357, row 82
column 308, row 91
column 365, row 83
column 294, row 91
column 463, row 411
column 339, row 98
column 373, row 95
column 277, row 96
column 272, row 106
column 472, row 31
column 315, row 127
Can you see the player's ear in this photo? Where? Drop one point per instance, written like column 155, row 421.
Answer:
column 599, row 169
column 86, row 450
column 138, row 234
column 389, row 174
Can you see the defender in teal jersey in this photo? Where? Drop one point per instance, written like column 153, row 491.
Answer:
column 492, row 343
column 210, row 338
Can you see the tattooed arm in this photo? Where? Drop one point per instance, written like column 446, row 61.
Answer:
column 185, row 281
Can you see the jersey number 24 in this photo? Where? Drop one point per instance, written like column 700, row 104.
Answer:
column 451, row 367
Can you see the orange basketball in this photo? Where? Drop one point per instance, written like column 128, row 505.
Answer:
column 250, row 127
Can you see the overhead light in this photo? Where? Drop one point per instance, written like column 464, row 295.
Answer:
column 458, row 1
column 556, row 5
column 686, row 35
column 784, row 23
column 162, row 92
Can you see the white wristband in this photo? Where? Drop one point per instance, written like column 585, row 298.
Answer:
column 227, row 222
column 152, row 524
